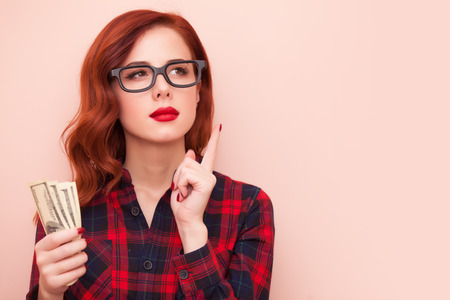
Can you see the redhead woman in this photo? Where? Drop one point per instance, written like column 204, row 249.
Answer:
column 158, row 221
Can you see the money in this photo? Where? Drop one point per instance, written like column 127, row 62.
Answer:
column 57, row 204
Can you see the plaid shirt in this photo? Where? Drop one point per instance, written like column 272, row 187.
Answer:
column 127, row 259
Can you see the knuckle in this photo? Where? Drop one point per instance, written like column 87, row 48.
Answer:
column 38, row 246
column 40, row 260
column 80, row 244
column 85, row 244
column 52, row 239
column 45, row 272
column 85, row 257
column 189, row 161
column 83, row 270
column 65, row 251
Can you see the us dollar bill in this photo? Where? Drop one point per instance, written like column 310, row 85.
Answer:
column 73, row 189
column 61, row 202
column 48, row 210
column 57, row 204
column 68, row 202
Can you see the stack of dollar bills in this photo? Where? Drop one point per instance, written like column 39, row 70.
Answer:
column 57, row 204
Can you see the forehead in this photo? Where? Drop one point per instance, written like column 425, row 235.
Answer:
column 159, row 45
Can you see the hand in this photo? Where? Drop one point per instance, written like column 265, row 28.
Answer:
column 60, row 261
column 192, row 187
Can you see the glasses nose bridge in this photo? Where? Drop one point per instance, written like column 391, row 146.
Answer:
column 158, row 71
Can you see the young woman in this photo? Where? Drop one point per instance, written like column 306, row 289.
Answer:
column 157, row 221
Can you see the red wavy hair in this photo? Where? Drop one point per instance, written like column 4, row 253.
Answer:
column 94, row 140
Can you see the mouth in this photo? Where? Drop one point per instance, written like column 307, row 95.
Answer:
column 165, row 114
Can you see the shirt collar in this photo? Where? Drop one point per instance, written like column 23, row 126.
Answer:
column 126, row 177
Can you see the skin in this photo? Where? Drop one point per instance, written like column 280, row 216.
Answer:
column 60, row 261
column 155, row 153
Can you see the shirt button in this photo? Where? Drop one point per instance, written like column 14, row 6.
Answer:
column 148, row 265
column 135, row 211
column 184, row 274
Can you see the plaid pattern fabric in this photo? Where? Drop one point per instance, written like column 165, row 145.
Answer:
column 130, row 260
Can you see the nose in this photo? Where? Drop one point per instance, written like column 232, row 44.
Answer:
column 161, row 89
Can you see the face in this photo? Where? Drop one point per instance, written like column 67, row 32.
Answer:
column 162, row 114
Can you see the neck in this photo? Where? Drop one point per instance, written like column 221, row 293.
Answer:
column 152, row 165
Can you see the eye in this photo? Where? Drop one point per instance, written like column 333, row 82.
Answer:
column 135, row 74
column 180, row 71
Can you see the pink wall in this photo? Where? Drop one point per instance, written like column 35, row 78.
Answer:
column 338, row 109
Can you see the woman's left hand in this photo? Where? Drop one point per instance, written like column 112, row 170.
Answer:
column 193, row 183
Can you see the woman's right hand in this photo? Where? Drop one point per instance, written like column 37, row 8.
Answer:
column 60, row 262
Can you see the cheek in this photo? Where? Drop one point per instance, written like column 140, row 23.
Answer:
column 130, row 105
column 129, row 113
column 123, row 109
column 192, row 104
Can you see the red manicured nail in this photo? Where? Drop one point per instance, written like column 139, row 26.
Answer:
column 81, row 230
column 220, row 129
column 172, row 186
column 178, row 197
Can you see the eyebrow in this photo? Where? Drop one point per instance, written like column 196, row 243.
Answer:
column 136, row 63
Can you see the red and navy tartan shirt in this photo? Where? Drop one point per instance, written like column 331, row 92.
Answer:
column 127, row 259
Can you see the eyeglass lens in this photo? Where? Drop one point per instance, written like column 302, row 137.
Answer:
column 137, row 78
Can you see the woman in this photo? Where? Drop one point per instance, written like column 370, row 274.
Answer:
column 157, row 221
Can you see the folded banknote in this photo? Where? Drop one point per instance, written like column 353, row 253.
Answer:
column 57, row 204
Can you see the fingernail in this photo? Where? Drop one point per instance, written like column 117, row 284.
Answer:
column 178, row 197
column 172, row 186
column 81, row 230
column 220, row 128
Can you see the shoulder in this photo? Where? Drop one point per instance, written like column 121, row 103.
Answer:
column 240, row 205
column 227, row 188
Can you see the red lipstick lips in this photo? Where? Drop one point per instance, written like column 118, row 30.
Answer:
column 165, row 114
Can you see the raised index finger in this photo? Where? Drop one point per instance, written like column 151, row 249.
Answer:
column 211, row 149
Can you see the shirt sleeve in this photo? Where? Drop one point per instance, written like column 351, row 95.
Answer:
column 34, row 280
column 206, row 274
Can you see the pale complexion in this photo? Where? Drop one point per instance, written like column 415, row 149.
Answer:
column 154, row 150
column 60, row 261
column 155, row 153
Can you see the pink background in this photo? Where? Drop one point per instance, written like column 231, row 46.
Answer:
column 339, row 110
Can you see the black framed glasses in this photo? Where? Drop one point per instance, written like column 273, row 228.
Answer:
column 140, row 78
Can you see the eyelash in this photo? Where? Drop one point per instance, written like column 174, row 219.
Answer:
column 184, row 71
column 141, row 73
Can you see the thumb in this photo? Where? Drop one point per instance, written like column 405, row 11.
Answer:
column 190, row 154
